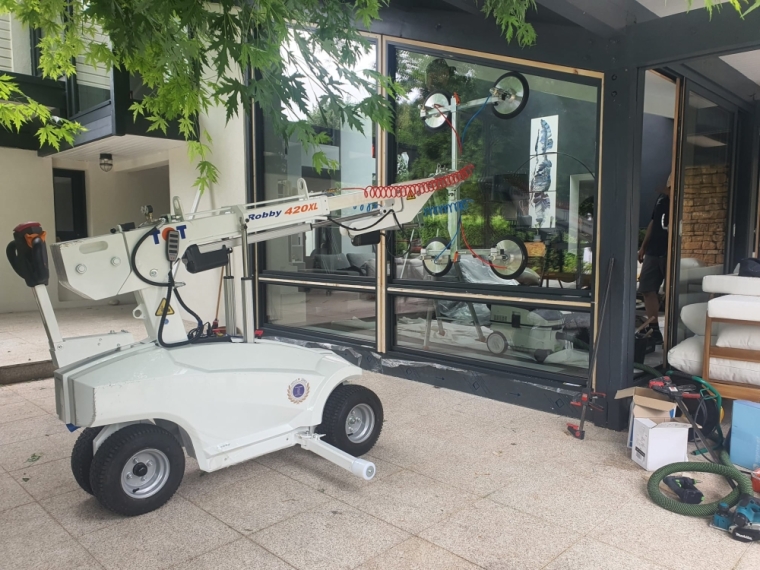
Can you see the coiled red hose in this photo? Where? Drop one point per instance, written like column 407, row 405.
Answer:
column 419, row 188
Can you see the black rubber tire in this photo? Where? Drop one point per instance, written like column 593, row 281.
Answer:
column 112, row 455
column 81, row 457
column 339, row 404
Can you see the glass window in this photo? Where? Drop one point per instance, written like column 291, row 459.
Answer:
column 322, row 250
column 344, row 313
column 528, row 336
column 93, row 82
column 534, row 187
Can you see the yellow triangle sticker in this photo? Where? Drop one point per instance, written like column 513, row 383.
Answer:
column 160, row 310
column 411, row 196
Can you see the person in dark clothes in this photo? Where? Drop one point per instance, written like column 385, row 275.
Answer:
column 654, row 257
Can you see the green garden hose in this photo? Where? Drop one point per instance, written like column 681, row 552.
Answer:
column 727, row 470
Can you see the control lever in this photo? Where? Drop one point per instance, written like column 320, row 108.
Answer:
column 172, row 245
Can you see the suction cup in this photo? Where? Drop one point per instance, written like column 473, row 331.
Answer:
column 511, row 94
column 511, row 258
column 435, row 121
column 441, row 266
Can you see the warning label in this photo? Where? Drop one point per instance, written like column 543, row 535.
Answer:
column 160, row 310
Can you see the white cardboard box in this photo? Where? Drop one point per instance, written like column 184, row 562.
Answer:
column 659, row 441
column 646, row 403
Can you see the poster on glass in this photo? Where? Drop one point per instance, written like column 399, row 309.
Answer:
column 543, row 170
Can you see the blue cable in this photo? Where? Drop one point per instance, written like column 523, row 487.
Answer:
column 464, row 132
column 448, row 245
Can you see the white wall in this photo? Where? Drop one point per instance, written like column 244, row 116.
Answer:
column 228, row 154
column 114, row 198
column 27, row 192
column 26, row 187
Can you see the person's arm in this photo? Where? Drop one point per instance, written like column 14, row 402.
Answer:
column 645, row 242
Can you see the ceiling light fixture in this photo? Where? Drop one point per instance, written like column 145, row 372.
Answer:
column 106, row 162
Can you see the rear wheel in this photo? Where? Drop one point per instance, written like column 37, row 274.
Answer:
column 81, row 457
column 352, row 419
column 496, row 343
column 137, row 469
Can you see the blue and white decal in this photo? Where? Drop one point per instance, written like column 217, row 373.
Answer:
column 298, row 390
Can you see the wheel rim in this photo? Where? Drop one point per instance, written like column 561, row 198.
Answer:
column 514, row 257
column 145, row 474
column 360, row 423
column 496, row 343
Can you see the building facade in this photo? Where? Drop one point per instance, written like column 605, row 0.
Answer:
column 616, row 103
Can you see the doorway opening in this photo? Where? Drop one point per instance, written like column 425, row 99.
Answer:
column 70, row 204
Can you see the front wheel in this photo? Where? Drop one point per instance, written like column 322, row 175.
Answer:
column 81, row 457
column 137, row 469
column 352, row 419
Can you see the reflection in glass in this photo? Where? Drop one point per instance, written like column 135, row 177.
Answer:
column 93, row 82
column 534, row 177
column 532, row 337
column 344, row 313
column 323, row 250
column 708, row 131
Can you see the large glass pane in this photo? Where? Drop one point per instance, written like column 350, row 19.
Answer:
column 344, row 313
column 534, row 181
column 527, row 336
column 323, row 250
column 657, row 136
column 708, row 132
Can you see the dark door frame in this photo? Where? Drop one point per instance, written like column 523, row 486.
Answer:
column 79, row 203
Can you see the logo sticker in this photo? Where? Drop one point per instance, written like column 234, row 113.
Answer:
column 298, row 390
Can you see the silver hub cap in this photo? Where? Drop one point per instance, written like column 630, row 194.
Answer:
column 360, row 423
column 145, row 474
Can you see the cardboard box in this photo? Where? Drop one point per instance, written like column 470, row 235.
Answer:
column 659, row 442
column 745, row 434
column 646, row 403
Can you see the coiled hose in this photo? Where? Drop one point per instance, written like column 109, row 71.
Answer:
column 726, row 469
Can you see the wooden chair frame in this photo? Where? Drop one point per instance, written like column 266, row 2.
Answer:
column 730, row 390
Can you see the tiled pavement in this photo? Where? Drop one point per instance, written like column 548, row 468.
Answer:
column 462, row 483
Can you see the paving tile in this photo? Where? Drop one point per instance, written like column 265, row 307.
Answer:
column 35, row 389
column 396, row 445
column 320, row 474
column 410, row 501
column 750, row 560
column 196, row 483
column 36, row 451
column 8, row 396
column 47, row 480
column 636, row 522
column 11, row 493
column 25, row 530
column 564, row 493
column 175, row 533
column 46, row 403
column 498, row 537
column 240, row 554
column 68, row 555
column 333, row 536
column 259, row 501
column 589, row 554
column 479, row 469
column 80, row 513
column 39, row 426
column 417, row 554
column 19, row 411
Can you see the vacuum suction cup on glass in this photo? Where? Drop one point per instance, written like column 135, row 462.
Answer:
column 510, row 95
column 435, row 110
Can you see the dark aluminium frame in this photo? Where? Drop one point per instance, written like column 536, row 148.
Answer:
column 668, row 43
